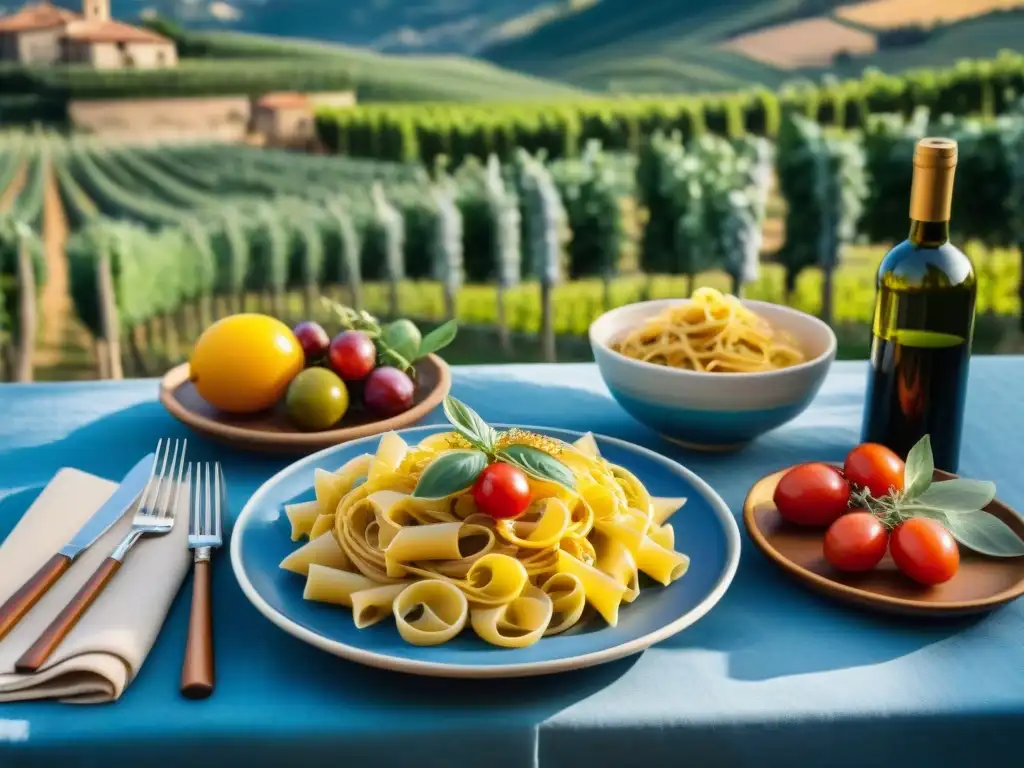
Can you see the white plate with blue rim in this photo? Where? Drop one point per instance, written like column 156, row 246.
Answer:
column 704, row 528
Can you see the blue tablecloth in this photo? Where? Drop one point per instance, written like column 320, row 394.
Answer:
column 772, row 675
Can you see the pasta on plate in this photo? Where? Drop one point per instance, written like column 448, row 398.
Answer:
column 439, row 565
column 712, row 333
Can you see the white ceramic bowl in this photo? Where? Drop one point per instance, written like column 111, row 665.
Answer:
column 713, row 411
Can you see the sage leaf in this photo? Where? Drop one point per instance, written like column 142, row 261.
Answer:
column 469, row 424
column 919, row 468
column 538, row 464
column 450, row 473
column 958, row 495
column 934, row 513
column 985, row 533
column 439, row 338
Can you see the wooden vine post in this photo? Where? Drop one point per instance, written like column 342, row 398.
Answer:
column 351, row 248
column 110, row 323
column 28, row 316
column 391, row 227
column 447, row 246
column 506, row 255
column 546, row 222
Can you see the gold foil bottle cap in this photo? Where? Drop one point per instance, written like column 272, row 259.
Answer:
column 935, row 152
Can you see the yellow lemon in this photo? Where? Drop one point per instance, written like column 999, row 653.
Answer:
column 244, row 363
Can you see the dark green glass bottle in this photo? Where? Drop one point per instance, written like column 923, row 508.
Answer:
column 923, row 323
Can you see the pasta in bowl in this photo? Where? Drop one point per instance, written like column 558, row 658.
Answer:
column 471, row 613
column 404, row 534
column 712, row 372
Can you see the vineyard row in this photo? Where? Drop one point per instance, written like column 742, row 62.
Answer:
column 175, row 226
column 424, row 132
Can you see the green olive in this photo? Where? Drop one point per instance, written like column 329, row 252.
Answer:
column 404, row 337
column 316, row 399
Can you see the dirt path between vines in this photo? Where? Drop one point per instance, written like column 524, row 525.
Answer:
column 9, row 195
column 64, row 346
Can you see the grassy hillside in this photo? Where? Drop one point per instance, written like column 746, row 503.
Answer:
column 656, row 45
column 449, row 26
column 384, row 77
column 668, row 45
column 974, row 38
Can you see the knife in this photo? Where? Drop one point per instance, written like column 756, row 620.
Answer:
column 123, row 498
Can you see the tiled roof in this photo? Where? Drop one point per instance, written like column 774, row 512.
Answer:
column 110, row 32
column 284, row 100
column 37, row 16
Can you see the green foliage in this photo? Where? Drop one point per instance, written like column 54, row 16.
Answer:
column 401, row 132
column 153, row 272
column 545, row 223
column 822, row 178
column 984, row 176
column 15, row 233
column 589, row 191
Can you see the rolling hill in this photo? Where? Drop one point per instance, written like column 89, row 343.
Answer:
column 425, row 26
column 378, row 76
column 667, row 45
column 624, row 46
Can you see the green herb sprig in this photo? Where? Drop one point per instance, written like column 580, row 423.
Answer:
column 457, row 470
column 398, row 343
column 958, row 504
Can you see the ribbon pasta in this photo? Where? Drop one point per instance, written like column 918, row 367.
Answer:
column 439, row 566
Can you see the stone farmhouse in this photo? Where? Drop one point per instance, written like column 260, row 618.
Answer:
column 43, row 34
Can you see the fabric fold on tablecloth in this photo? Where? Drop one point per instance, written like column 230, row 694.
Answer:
column 102, row 655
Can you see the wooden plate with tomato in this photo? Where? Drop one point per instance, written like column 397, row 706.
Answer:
column 256, row 384
column 915, row 545
column 271, row 431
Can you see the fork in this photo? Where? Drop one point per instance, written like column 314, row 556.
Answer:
column 154, row 517
column 204, row 535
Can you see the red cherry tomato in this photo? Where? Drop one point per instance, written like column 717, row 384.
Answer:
column 388, row 392
column 856, row 542
column 313, row 339
column 501, row 491
column 924, row 550
column 352, row 355
column 874, row 467
column 812, row 494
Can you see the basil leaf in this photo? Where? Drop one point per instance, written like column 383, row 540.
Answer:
column 958, row 495
column 450, row 473
column 469, row 424
column 919, row 468
column 538, row 464
column 986, row 534
column 439, row 338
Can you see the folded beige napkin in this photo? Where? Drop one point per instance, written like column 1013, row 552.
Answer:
column 104, row 652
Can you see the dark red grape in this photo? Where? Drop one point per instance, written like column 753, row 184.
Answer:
column 313, row 339
column 388, row 392
column 352, row 355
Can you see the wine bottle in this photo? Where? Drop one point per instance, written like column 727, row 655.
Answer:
column 923, row 322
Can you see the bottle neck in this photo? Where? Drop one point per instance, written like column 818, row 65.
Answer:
column 928, row 234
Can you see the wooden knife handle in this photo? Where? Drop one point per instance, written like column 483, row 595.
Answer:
column 28, row 595
column 197, row 670
column 59, row 628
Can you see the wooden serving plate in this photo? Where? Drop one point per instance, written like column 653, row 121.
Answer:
column 981, row 583
column 272, row 432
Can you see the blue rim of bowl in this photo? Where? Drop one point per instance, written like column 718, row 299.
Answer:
column 725, row 517
column 829, row 353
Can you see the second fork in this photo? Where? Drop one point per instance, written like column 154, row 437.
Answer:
column 154, row 517
column 208, row 500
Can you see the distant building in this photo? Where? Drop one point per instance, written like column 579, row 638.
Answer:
column 284, row 118
column 288, row 118
column 41, row 34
